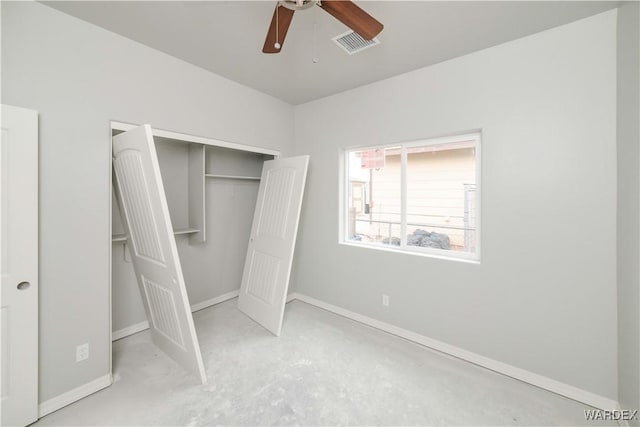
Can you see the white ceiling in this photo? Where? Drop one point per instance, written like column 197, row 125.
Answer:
column 226, row 37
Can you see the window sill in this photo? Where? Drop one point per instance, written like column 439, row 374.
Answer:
column 466, row 260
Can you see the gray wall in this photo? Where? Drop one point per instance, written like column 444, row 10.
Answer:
column 543, row 297
column 629, row 206
column 79, row 77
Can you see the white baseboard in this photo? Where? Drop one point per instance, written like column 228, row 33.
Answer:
column 74, row 395
column 214, row 301
column 138, row 327
column 537, row 380
column 129, row 330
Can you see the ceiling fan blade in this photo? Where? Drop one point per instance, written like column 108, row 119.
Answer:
column 281, row 19
column 353, row 17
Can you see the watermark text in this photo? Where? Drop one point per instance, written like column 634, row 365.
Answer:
column 610, row 415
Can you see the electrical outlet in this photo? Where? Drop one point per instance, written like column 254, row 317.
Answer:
column 385, row 300
column 82, row 352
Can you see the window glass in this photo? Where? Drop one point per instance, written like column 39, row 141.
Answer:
column 441, row 181
column 374, row 202
column 420, row 196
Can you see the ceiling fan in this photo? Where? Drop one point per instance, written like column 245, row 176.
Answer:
column 344, row 11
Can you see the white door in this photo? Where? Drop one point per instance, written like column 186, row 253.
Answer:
column 265, row 279
column 143, row 207
column 19, row 266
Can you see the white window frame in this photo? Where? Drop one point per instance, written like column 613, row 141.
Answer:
column 404, row 248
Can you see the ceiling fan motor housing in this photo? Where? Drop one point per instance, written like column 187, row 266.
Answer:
column 297, row 4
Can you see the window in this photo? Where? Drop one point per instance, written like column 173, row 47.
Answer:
column 420, row 197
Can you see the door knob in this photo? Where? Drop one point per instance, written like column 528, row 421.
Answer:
column 23, row 286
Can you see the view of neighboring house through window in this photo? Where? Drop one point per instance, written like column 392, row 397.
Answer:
column 421, row 196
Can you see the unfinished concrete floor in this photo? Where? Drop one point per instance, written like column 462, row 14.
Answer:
column 323, row 370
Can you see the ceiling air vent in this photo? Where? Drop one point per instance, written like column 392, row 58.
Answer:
column 353, row 42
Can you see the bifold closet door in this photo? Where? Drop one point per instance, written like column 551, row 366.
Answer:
column 265, row 279
column 145, row 214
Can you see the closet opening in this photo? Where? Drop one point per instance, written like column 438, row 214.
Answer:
column 211, row 188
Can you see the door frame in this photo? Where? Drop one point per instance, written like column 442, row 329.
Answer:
column 115, row 125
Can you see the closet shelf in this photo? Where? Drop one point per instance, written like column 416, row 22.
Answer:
column 177, row 231
column 185, row 231
column 246, row 178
